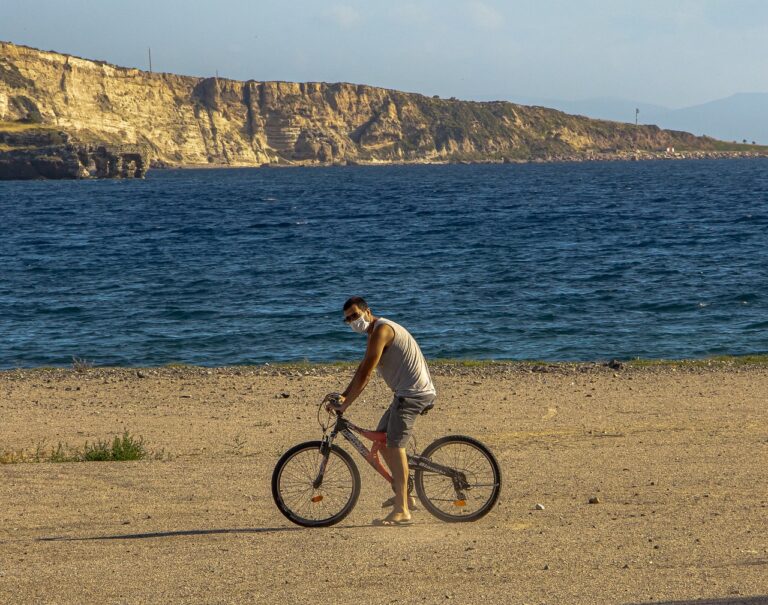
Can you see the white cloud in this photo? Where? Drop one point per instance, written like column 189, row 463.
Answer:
column 485, row 16
column 345, row 16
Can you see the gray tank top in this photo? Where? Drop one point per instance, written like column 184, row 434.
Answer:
column 402, row 366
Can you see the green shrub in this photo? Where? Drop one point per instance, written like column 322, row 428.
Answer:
column 123, row 447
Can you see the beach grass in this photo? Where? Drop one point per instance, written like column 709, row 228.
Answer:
column 125, row 447
column 80, row 364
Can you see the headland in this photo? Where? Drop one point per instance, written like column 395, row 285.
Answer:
column 83, row 118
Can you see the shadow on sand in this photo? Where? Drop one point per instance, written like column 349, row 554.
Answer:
column 758, row 600
column 186, row 532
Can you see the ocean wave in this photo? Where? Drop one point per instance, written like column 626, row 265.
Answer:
column 220, row 267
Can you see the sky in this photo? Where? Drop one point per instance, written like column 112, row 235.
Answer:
column 673, row 53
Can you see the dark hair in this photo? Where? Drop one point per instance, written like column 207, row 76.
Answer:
column 356, row 300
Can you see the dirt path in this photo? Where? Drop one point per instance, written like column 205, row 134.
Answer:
column 678, row 458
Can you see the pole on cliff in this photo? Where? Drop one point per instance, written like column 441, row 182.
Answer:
column 637, row 112
column 150, row 59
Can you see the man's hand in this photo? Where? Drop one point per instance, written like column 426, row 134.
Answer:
column 335, row 402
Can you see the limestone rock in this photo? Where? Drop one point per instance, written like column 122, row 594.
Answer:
column 32, row 152
column 181, row 120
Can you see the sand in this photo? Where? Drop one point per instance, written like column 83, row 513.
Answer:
column 676, row 454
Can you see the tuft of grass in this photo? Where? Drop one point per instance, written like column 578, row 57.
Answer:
column 120, row 448
column 80, row 364
column 126, row 447
column 57, row 454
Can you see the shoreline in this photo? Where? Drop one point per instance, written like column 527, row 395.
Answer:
column 439, row 367
column 640, row 156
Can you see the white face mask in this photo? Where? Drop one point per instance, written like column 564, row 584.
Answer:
column 360, row 325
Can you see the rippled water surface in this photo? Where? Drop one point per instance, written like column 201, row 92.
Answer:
column 560, row 262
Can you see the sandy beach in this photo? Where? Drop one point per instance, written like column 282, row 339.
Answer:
column 676, row 455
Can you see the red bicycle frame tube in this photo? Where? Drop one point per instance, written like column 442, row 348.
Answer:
column 371, row 456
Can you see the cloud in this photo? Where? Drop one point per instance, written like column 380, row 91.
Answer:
column 345, row 16
column 485, row 16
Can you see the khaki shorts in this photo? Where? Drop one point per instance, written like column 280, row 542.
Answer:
column 398, row 420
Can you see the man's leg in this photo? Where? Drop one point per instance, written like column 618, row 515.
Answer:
column 397, row 461
column 399, row 420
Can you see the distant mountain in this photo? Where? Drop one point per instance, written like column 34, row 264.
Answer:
column 735, row 118
column 603, row 108
column 740, row 116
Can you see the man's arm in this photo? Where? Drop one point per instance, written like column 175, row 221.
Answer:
column 381, row 337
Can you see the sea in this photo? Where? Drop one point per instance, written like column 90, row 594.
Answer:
column 562, row 261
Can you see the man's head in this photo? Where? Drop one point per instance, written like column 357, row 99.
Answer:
column 357, row 314
column 356, row 307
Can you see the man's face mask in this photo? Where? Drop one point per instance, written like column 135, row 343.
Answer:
column 360, row 325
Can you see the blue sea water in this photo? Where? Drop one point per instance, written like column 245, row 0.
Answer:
column 539, row 261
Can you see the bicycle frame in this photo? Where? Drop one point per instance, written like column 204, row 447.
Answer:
column 348, row 429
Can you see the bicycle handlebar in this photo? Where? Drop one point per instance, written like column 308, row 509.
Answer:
column 324, row 406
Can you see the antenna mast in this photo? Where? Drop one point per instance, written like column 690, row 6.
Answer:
column 150, row 59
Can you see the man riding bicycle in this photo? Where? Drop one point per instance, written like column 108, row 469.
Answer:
column 395, row 354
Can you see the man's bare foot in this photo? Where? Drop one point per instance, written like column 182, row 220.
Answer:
column 394, row 519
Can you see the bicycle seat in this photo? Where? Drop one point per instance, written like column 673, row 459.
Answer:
column 427, row 408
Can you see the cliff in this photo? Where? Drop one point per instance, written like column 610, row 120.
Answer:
column 180, row 120
column 29, row 151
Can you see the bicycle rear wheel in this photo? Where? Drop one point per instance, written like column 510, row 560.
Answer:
column 473, row 489
column 293, row 485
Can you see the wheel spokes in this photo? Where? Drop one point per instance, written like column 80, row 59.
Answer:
column 297, row 491
column 453, row 499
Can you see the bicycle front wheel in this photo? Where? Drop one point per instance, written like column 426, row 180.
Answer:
column 472, row 487
column 294, row 485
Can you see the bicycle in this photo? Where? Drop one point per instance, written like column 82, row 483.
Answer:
column 317, row 483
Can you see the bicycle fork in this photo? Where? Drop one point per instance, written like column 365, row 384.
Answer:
column 325, row 450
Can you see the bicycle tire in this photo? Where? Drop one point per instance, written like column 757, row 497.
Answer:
column 444, row 512
column 289, row 503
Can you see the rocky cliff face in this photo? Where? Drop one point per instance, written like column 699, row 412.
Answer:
column 183, row 120
column 35, row 152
